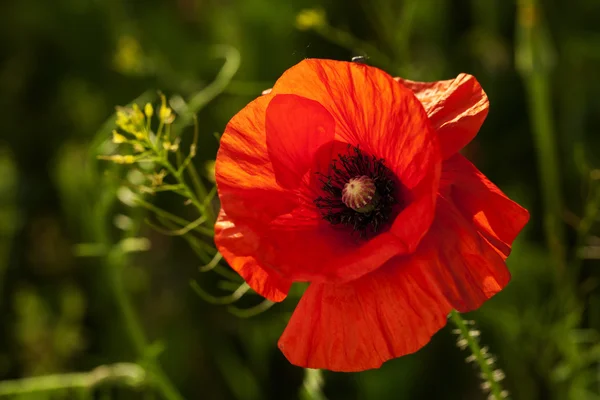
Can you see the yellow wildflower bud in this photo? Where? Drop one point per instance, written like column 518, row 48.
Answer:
column 131, row 120
column 165, row 113
column 122, row 118
column 128, row 159
column 137, row 116
column 311, row 18
column 209, row 167
column 171, row 146
column 118, row 138
column 140, row 135
column 119, row 159
column 148, row 110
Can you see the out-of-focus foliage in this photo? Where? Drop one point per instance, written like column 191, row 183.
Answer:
column 70, row 239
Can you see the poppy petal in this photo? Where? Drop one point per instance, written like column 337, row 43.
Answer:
column 296, row 128
column 384, row 119
column 238, row 244
column 356, row 326
column 456, row 109
column 318, row 252
column 395, row 309
column 303, row 246
column 492, row 213
column 466, row 267
column 245, row 176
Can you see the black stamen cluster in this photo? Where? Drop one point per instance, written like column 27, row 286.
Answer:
column 347, row 166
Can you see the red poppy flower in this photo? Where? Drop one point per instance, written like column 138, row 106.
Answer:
column 348, row 179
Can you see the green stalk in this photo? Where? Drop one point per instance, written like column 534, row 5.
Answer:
column 534, row 58
column 121, row 373
column 490, row 376
column 114, row 265
column 312, row 385
column 134, row 328
column 202, row 98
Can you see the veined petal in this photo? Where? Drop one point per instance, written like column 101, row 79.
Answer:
column 244, row 173
column 384, row 119
column 395, row 309
column 456, row 109
column 356, row 326
column 239, row 244
column 496, row 217
column 464, row 265
column 305, row 249
column 296, row 128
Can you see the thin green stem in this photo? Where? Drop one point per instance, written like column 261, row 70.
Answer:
column 121, row 373
column 229, row 299
column 538, row 89
column 488, row 374
column 216, row 87
column 171, row 217
column 201, row 191
column 312, row 384
column 534, row 58
column 187, row 192
column 252, row 311
column 134, row 328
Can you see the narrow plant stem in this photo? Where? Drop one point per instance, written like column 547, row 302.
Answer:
column 187, row 192
column 538, row 89
column 534, row 59
column 312, row 384
column 163, row 383
column 199, row 100
column 488, row 374
column 134, row 328
column 171, row 217
column 201, row 191
column 122, row 373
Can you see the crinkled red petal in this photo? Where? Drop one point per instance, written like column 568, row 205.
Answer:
column 296, row 128
column 238, row 244
column 246, row 181
column 465, row 266
column 382, row 118
column 456, row 109
column 394, row 310
column 357, row 326
column 496, row 217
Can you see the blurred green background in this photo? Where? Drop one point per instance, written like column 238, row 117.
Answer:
column 65, row 64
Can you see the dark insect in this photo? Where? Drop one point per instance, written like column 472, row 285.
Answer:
column 359, row 59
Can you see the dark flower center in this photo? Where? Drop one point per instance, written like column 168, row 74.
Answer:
column 360, row 192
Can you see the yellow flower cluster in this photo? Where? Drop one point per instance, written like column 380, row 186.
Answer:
column 134, row 127
column 119, row 159
column 132, row 121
